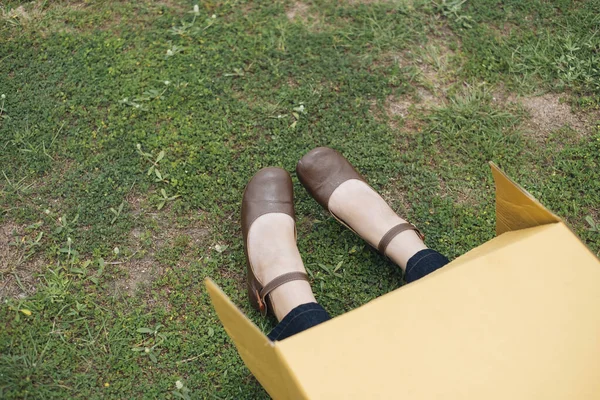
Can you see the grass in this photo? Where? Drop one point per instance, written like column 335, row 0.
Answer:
column 107, row 255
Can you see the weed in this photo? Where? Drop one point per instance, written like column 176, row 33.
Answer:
column 452, row 9
column 2, row 110
column 19, row 311
column 116, row 212
column 594, row 226
column 27, row 245
column 149, row 346
column 154, row 167
column 182, row 391
column 19, row 187
column 65, row 227
column 95, row 278
column 164, row 199
column 189, row 28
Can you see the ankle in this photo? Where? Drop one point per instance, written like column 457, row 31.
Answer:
column 272, row 252
column 403, row 247
column 289, row 296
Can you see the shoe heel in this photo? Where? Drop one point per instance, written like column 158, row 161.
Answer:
column 253, row 296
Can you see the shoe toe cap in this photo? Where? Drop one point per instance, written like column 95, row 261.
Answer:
column 317, row 165
column 270, row 184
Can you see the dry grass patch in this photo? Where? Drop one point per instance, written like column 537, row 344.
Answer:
column 459, row 192
column 504, row 30
column 47, row 17
column 549, row 113
column 311, row 19
column 298, row 10
column 433, row 63
column 157, row 231
column 397, row 107
column 410, row 109
column 429, row 67
column 18, row 272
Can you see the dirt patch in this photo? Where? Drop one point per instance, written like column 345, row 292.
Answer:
column 176, row 5
column 548, row 114
column 397, row 107
column 32, row 15
column 156, row 232
column 429, row 100
column 22, row 15
column 137, row 205
column 429, row 68
column 297, row 11
column 140, row 272
column 503, row 30
column 47, row 17
column 301, row 10
column 459, row 192
column 411, row 108
column 18, row 269
column 310, row 18
column 433, row 62
column 395, row 111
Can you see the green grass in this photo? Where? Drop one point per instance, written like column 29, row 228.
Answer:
column 85, row 82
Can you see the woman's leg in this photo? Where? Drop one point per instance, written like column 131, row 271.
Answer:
column 272, row 251
column 272, row 243
column 363, row 209
column 371, row 217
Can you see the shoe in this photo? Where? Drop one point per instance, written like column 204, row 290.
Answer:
column 269, row 191
column 322, row 170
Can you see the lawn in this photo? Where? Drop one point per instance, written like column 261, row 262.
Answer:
column 128, row 131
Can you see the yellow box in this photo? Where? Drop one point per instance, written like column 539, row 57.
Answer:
column 515, row 318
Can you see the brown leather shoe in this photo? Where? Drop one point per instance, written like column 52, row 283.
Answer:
column 269, row 191
column 322, row 170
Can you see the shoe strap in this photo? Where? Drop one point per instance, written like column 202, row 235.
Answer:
column 395, row 231
column 280, row 280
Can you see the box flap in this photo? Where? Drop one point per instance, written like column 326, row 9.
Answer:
column 515, row 207
column 259, row 354
column 520, row 320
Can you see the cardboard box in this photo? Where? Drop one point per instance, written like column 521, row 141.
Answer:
column 515, row 318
